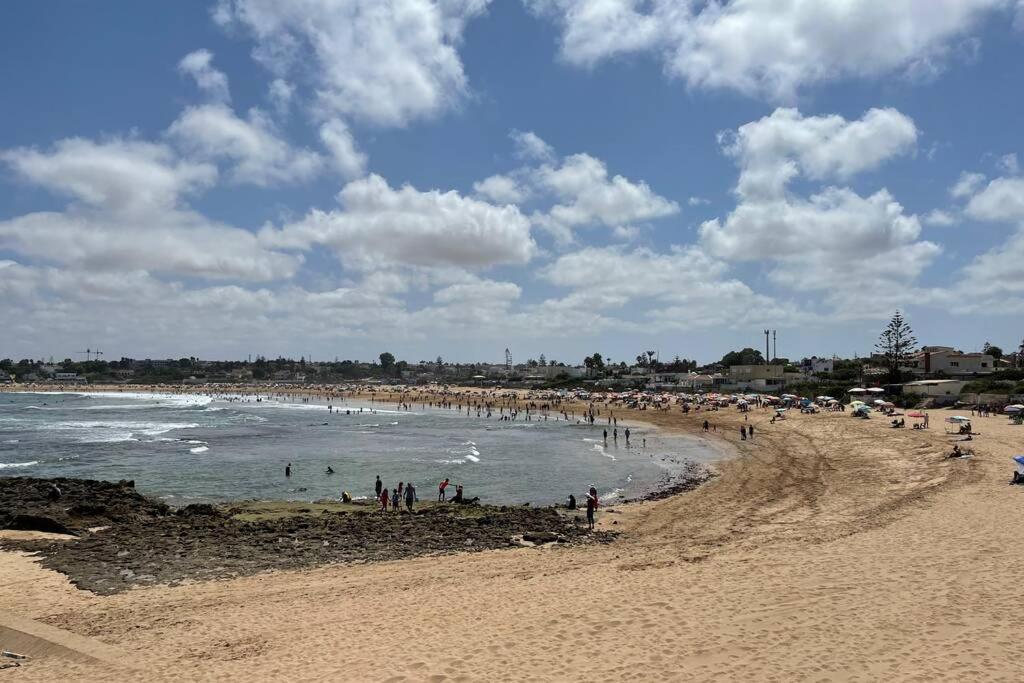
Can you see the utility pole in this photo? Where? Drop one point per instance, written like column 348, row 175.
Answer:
column 766, row 349
column 775, row 345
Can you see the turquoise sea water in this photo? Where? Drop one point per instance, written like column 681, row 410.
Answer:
column 188, row 448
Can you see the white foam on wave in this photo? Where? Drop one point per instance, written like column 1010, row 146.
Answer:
column 7, row 465
column 603, row 451
column 454, row 461
column 104, row 431
column 472, row 457
column 12, row 441
column 199, row 449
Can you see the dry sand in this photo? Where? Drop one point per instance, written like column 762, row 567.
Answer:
column 829, row 549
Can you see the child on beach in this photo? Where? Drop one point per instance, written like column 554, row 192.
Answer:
column 394, row 500
column 384, row 501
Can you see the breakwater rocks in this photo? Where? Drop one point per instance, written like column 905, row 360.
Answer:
column 145, row 542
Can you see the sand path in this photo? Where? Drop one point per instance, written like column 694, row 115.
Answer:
column 830, row 548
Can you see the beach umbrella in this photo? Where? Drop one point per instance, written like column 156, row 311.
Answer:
column 1013, row 409
column 958, row 418
column 856, row 390
column 915, row 413
column 877, row 390
column 1019, row 459
column 879, row 402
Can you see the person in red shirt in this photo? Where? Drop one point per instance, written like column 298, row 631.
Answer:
column 440, row 490
column 384, row 500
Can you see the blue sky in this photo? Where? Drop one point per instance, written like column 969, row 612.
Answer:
column 339, row 177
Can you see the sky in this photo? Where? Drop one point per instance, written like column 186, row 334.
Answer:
column 337, row 178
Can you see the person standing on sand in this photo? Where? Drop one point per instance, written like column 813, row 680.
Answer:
column 743, row 433
column 410, row 496
column 288, row 470
column 440, row 490
column 383, row 498
column 395, row 500
column 591, row 508
column 750, row 432
column 378, row 486
column 707, row 426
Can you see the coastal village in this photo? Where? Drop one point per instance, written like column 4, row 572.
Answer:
column 943, row 375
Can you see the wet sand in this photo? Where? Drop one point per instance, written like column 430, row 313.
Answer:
column 829, row 548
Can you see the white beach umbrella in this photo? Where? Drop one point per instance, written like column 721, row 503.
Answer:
column 857, row 390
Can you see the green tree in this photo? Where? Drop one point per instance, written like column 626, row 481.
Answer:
column 993, row 351
column 747, row 356
column 895, row 344
column 387, row 361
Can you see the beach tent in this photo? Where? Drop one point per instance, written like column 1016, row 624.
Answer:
column 1019, row 459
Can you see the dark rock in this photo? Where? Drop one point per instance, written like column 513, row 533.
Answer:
column 199, row 510
column 37, row 523
column 540, row 536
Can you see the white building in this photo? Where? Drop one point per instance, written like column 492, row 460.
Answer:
column 947, row 360
column 935, row 388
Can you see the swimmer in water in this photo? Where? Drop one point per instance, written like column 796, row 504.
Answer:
column 330, row 470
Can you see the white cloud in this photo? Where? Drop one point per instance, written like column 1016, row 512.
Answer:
column 119, row 175
column 768, row 48
column 385, row 63
column 967, row 184
column 530, row 147
column 1009, row 164
column 129, row 214
column 683, row 287
column 940, row 218
column 814, row 239
column 697, row 201
column 213, row 132
column 502, row 189
column 1001, row 200
column 588, row 196
column 774, row 150
column 199, row 65
column 379, row 225
column 281, row 92
column 337, row 138
column 487, row 292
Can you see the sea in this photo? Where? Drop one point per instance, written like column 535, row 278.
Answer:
column 194, row 448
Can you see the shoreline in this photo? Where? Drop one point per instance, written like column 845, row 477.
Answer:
column 680, row 475
column 819, row 530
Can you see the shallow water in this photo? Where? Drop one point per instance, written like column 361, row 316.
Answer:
column 195, row 448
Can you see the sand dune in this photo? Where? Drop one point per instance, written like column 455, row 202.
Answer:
column 830, row 548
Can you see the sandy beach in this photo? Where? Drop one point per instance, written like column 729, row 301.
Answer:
column 829, row 548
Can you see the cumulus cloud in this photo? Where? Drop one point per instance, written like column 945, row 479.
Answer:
column 385, row 63
column 502, row 189
column 967, row 184
column 530, row 147
column 686, row 285
column 835, row 230
column 1001, row 200
column 129, row 214
column 766, row 48
column 379, row 225
column 213, row 132
column 587, row 195
column 774, row 150
column 940, row 218
column 280, row 93
column 199, row 65
column 338, row 140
